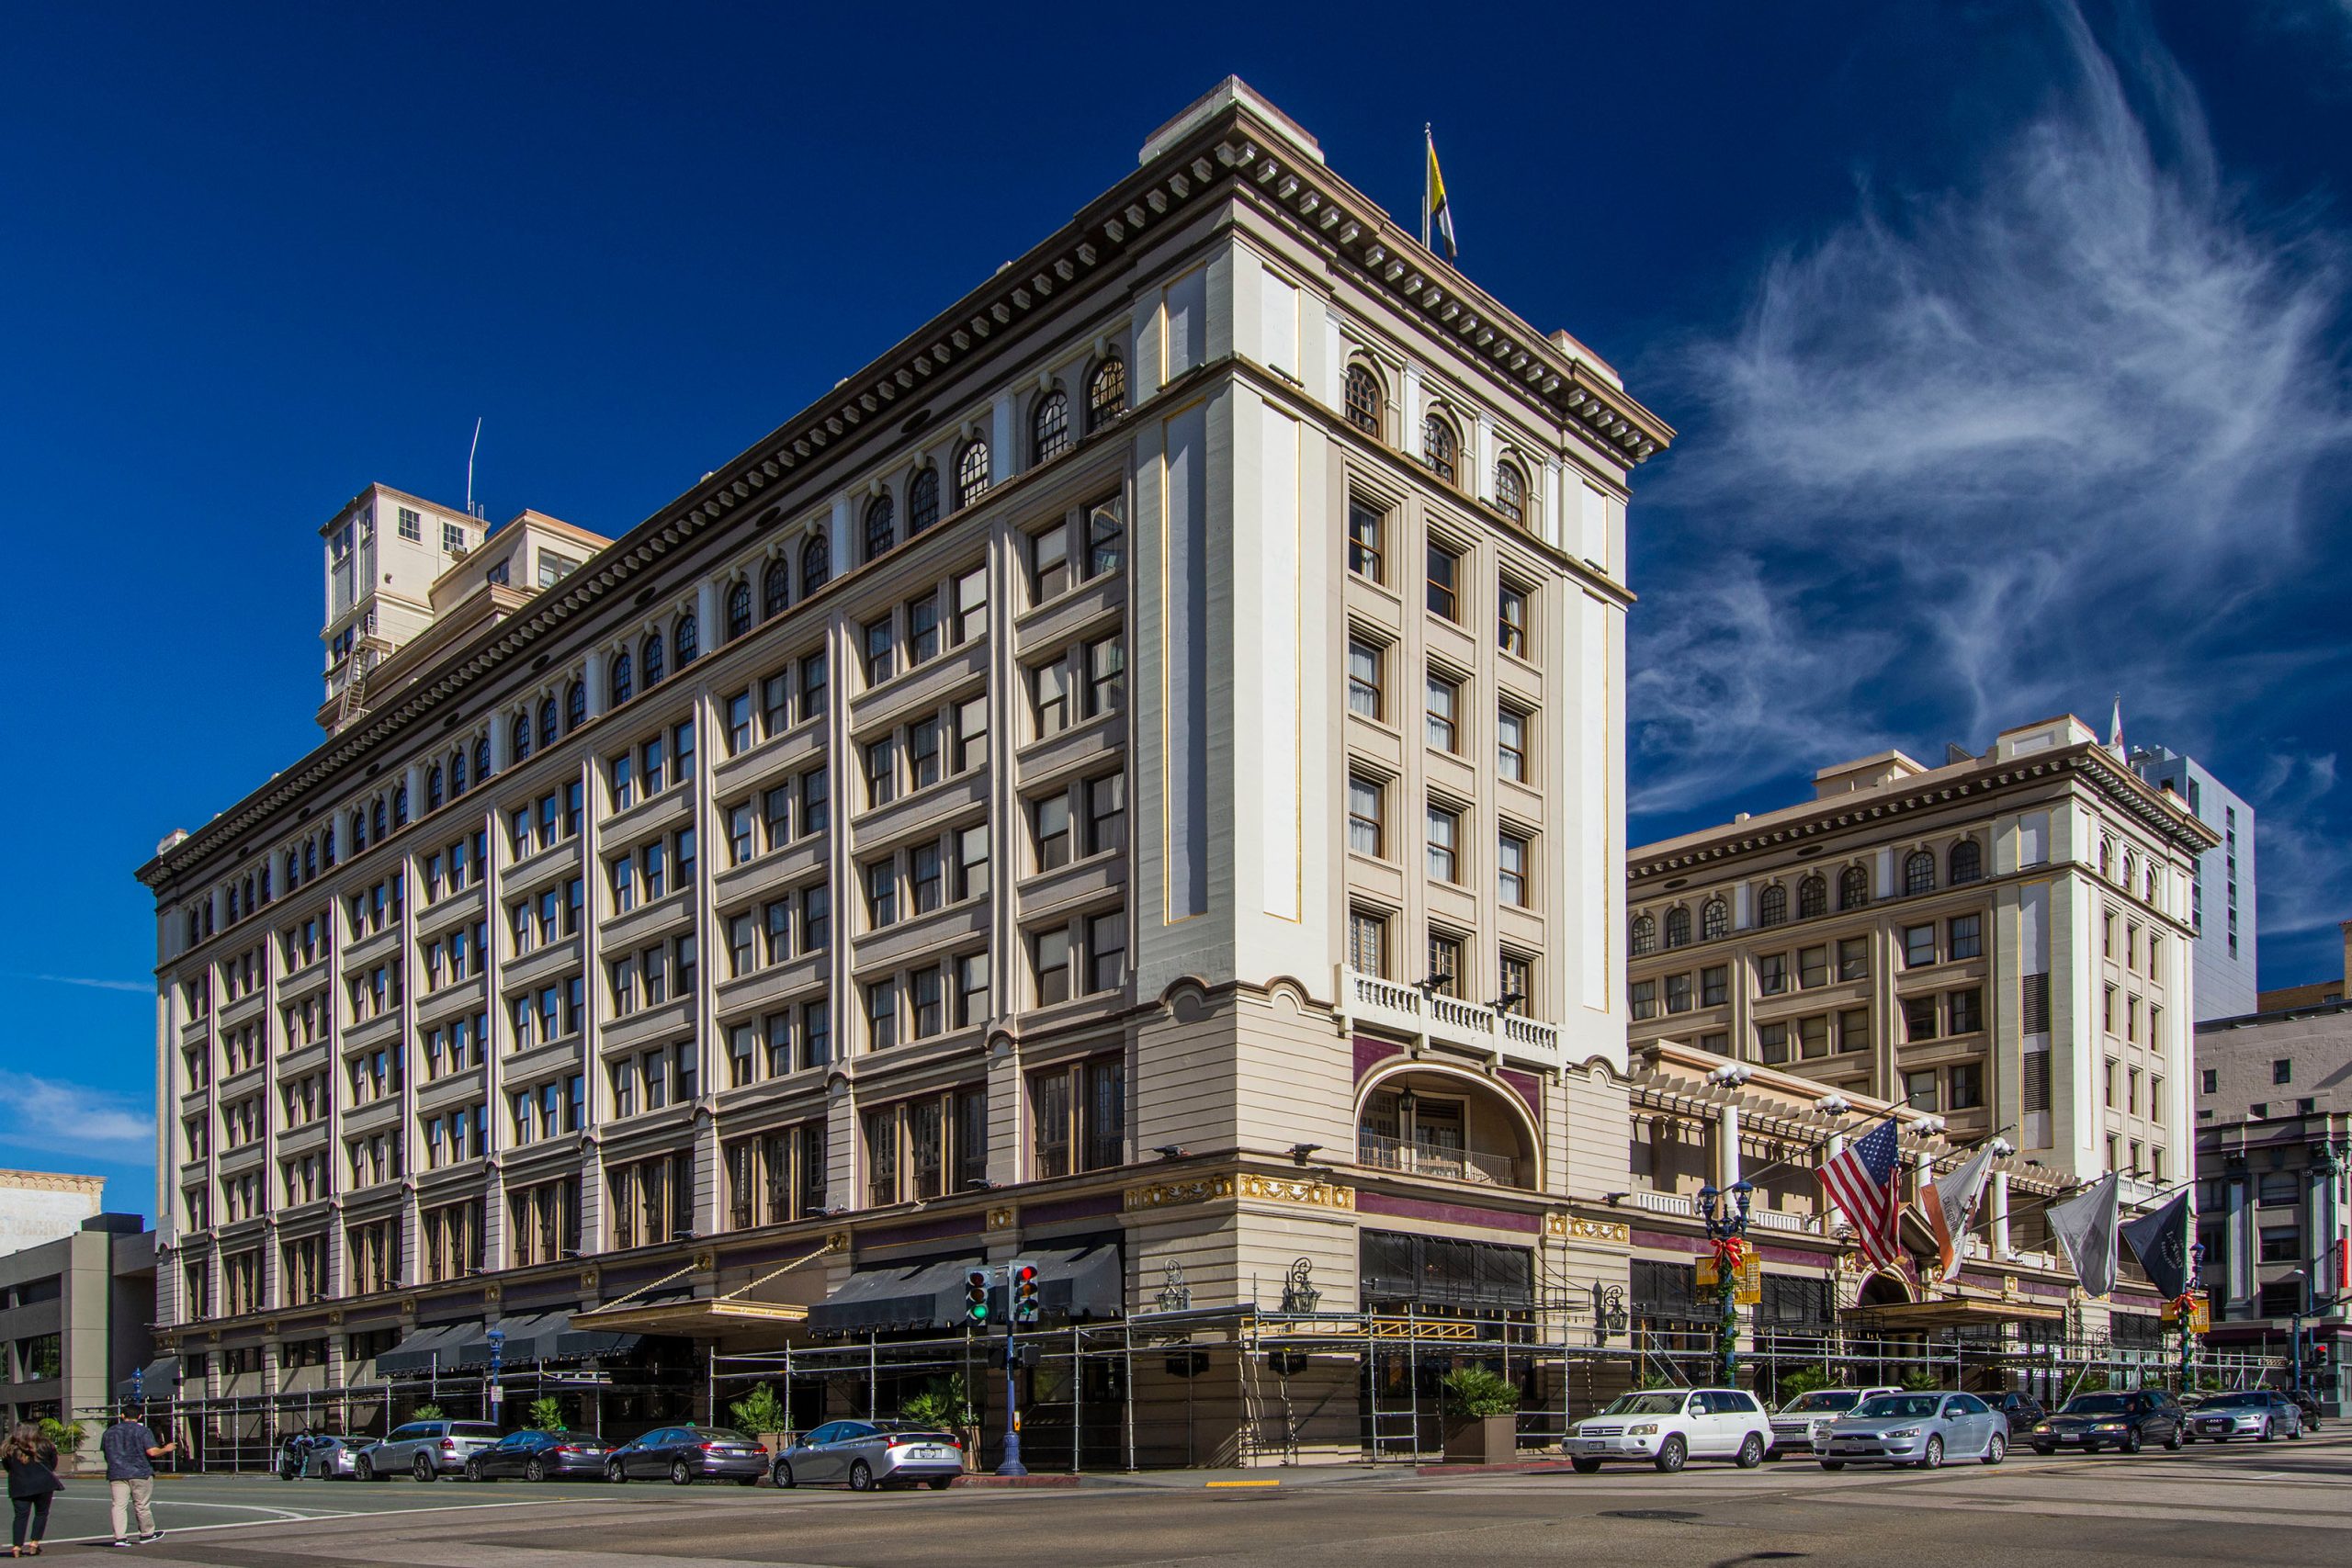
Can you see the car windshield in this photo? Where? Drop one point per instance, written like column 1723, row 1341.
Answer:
column 472, row 1430
column 1905, row 1406
column 2097, row 1405
column 1821, row 1399
column 1656, row 1401
column 2228, row 1401
column 721, row 1434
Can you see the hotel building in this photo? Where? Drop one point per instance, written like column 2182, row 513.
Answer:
column 1131, row 778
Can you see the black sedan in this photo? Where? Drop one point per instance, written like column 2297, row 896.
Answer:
column 541, row 1456
column 688, row 1454
column 2022, row 1409
column 2126, row 1422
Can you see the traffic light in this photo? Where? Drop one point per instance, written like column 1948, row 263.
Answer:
column 975, row 1296
column 1024, row 1276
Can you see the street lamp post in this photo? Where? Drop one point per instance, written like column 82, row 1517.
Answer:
column 497, row 1354
column 2184, row 1309
column 1727, row 1217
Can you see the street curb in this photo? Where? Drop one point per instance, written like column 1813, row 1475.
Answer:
column 1051, row 1481
column 1526, row 1467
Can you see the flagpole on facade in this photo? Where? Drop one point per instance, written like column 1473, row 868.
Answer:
column 1428, row 146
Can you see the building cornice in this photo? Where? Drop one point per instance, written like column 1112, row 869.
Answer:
column 2091, row 765
column 1238, row 151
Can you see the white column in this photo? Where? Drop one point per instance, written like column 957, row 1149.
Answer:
column 1999, row 1205
column 1004, row 443
column 593, row 675
column 1727, row 1149
column 710, row 629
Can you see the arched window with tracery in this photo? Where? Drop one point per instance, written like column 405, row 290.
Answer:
column 972, row 473
column 1510, row 491
column 881, row 526
column 1715, row 920
column 922, row 501
column 546, row 723
column 1813, row 898
column 1967, row 861
column 521, row 734
column 458, row 773
column 775, row 589
column 1918, row 872
column 482, row 760
column 1441, row 448
column 688, row 639
column 1773, row 906
column 432, row 785
column 1049, row 427
column 1853, row 888
column 616, row 684
column 575, row 706
column 1644, row 935
column 1677, row 926
column 816, row 564
column 739, row 608
column 1106, row 394
column 1364, row 399
column 648, row 654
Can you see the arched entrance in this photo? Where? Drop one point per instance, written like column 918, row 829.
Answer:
column 1421, row 1119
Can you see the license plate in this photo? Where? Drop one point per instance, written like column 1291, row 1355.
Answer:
column 930, row 1453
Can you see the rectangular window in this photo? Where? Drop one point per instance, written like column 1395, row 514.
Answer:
column 1363, row 816
column 1920, row 1090
column 880, row 664
column 1106, row 814
column 922, row 753
column 1854, row 958
column 1444, row 700
column 1106, row 951
column 1106, row 527
column 923, row 629
column 971, row 605
column 1644, row 997
column 1106, row 676
column 1918, row 946
column 971, row 733
column 1365, row 526
column 1049, row 830
column 1444, row 828
column 1678, row 993
column 971, row 990
column 1510, row 870
column 1365, row 661
column 1445, row 965
column 1367, row 943
column 813, row 679
column 1049, row 699
column 881, row 772
column 881, row 1016
column 739, row 723
column 1049, row 960
column 1715, row 985
column 1966, row 935
column 1964, row 1010
column 776, row 704
column 1854, row 1029
column 971, row 862
column 1813, row 967
column 1772, row 974
column 1813, row 1036
column 1511, row 743
column 1049, row 563
column 1444, row 581
column 924, row 876
column 881, row 894
column 1511, row 607
column 1772, row 1043
column 816, row 792
column 1920, row 1017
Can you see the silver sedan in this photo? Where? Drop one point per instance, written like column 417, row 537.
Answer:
column 1916, row 1428
column 2259, row 1413
column 330, row 1459
column 867, row 1455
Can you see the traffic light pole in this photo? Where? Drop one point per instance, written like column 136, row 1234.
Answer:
column 1012, row 1464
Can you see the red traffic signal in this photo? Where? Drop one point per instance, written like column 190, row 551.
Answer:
column 1025, row 1304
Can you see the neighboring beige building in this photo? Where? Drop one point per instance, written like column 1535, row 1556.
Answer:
column 75, row 1313
column 1131, row 777
column 42, row 1205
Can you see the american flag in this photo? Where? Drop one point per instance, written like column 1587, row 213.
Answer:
column 1860, row 1181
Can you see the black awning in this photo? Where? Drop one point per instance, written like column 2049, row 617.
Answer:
column 1086, row 1283
column 922, row 1295
column 523, row 1331
column 427, row 1349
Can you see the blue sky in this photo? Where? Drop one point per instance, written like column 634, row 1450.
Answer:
column 2006, row 341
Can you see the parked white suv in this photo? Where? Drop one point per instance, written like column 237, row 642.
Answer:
column 1671, row 1425
column 1801, row 1425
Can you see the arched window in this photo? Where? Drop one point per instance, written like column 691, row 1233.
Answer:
column 546, row 724
column 458, row 775
column 1967, row 861
column 816, row 564
column 432, row 796
column 648, row 654
column 521, row 733
column 1106, row 394
column 972, row 473
column 739, row 609
column 1364, row 399
column 1049, row 427
column 617, row 683
column 1440, row 447
column 1772, row 906
column 881, row 526
column 575, row 706
column 378, row 812
column 1813, row 898
column 1677, row 926
column 1715, row 920
column 1918, row 872
column 2105, row 855
column 688, row 640
column 400, row 820
column 482, row 760
column 1510, row 491
column 1644, row 935
column 922, row 501
column 2152, row 882
column 1853, row 888
column 775, row 589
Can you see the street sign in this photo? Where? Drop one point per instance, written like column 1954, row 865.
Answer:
column 1747, row 1281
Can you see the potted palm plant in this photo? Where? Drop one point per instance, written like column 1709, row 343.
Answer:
column 1482, row 1417
column 944, row 1403
column 763, row 1415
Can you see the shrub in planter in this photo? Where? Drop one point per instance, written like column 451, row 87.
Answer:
column 945, row 1403
column 763, row 1415
column 428, row 1411
column 546, row 1414
column 1482, row 1416
column 66, row 1437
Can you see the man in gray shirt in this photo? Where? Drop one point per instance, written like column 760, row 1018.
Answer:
column 130, row 1450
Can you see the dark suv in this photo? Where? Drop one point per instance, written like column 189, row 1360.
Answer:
column 2125, row 1421
column 2023, row 1410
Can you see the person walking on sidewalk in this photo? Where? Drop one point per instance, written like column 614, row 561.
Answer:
column 31, row 1461
column 130, row 1450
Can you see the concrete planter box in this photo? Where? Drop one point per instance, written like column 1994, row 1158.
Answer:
column 1488, row 1440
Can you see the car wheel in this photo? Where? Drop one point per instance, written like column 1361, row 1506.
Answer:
column 1751, row 1452
column 285, row 1472
column 1934, row 1457
column 2045, row 1449
column 535, row 1470
column 679, row 1475
column 1833, row 1464
column 363, row 1468
column 2297, row 1434
column 1671, row 1456
column 2131, row 1441
column 473, row 1471
column 2263, row 1436
column 782, row 1476
column 1996, row 1450
column 422, row 1469
column 861, row 1477
column 940, row 1482
column 2090, row 1448
column 1586, row 1466
column 614, row 1473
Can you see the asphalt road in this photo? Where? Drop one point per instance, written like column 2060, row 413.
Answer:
column 2282, row 1504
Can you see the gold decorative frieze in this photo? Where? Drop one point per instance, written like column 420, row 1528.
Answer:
column 837, row 1241
column 1301, row 1190
column 1285, row 1190
column 1577, row 1229
column 1174, row 1194
column 1001, row 1219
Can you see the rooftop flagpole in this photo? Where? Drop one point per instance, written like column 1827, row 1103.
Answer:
column 1427, row 144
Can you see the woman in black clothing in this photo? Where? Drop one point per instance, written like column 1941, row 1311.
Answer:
column 31, row 1461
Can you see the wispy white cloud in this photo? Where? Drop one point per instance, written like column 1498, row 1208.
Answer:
column 136, row 988
column 2304, row 865
column 2003, row 448
column 71, row 1118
